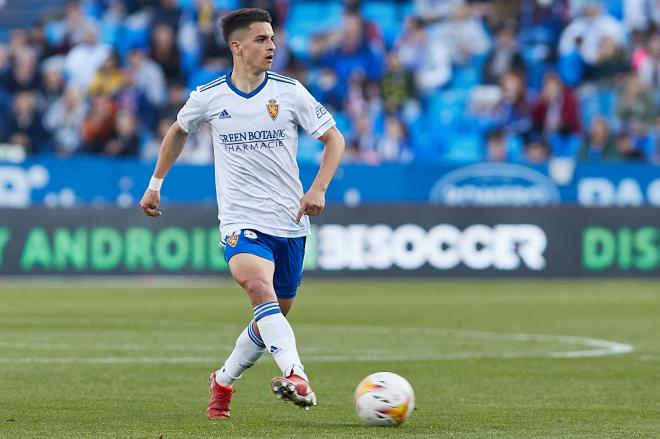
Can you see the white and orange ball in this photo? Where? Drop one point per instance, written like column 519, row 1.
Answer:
column 384, row 398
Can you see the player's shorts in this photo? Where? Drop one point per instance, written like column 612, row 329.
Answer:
column 286, row 253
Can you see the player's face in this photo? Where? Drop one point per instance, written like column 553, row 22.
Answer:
column 258, row 47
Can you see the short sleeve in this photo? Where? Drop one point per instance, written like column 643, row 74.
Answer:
column 193, row 114
column 310, row 114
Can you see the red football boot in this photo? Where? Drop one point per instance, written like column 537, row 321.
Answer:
column 220, row 398
column 295, row 389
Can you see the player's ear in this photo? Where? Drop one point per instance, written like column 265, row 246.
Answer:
column 235, row 47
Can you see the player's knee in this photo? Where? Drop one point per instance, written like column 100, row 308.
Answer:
column 257, row 288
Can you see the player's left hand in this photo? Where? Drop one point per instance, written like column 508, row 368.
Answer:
column 312, row 204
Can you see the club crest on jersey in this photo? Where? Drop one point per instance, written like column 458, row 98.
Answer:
column 232, row 239
column 273, row 108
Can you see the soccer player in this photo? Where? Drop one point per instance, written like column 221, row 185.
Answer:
column 254, row 115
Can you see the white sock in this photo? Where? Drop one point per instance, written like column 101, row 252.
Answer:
column 278, row 337
column 248, row 349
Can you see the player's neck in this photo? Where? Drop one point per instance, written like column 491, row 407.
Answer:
column 246, row 79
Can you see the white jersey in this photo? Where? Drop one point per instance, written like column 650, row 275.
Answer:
column 255, row 141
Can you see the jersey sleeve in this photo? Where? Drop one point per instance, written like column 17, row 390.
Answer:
column 310, row 114
column 193, row 114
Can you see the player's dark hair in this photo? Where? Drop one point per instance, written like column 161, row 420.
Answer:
column 242, row 19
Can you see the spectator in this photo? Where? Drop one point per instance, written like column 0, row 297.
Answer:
column 19, row 40
column 556, row 108
column 536, row 152
column 199, row 149
column 626, row 149
column 125, row 142
column 82, row 62
column 112, row 21
column 641, row 14
column 636, row 102
column 38, row 40
column 165, row 52
column 149, row 78
column 176, row 98
column 649, row 69
column 612, row 61
column 512, row 111
column 24, row 74
column 505, row 56
column 398, row 83
column 149, row 152
column 591, row 28
column 166, row 13
column 64, row 119
column 108, row 79
column 72, row 30
column 428, row 58
column 364, row 139
column 130, row 98
column 463, row 35
column 52, row 73
column 434, row 10
column 571, row 66
column 202, row 36
column 25, row 127
column 354, row 51
column 496, row 150
column 326, row 89
column 600, row 144
column 5, row 65
column 98, row 126
column 393, row 146
column 541, row 22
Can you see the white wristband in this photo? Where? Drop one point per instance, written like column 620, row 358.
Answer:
column 155, row 183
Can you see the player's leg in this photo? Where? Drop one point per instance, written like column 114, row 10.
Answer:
column 255, row 275
column 249, row 346
column 293, row 385
column 248, row 349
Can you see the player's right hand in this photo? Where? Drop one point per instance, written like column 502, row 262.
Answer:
column 149, row 203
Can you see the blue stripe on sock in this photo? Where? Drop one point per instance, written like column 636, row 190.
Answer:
column 268, row 312
column 258, row 307
column 254, row 337
column 261, row 314
column 264, row 308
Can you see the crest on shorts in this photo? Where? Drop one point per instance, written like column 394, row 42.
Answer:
column 273, row 108
column 232, row 239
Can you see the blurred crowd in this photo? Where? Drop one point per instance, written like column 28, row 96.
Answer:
column 423, row 80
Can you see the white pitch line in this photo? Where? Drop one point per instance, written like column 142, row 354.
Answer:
column 601, row 348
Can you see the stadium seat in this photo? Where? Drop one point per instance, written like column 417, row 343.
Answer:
column 387, row 15
column 464, row 148
column 309, row 17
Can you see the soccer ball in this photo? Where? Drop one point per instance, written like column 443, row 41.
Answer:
column 384, row 398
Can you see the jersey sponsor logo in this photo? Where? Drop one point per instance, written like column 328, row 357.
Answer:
column 273, row 108
column 249, row 234
column 232, row 239
column 224, row 114
column 252, row 140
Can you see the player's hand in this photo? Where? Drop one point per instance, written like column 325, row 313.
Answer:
column 312, row 204
column 149, row 203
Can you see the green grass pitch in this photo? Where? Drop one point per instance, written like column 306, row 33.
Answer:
column 487, row 359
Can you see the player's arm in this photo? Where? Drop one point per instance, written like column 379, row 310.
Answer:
column 170, row 150
column 313, row 202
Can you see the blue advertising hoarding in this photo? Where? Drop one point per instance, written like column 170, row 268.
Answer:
column 97, row 181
